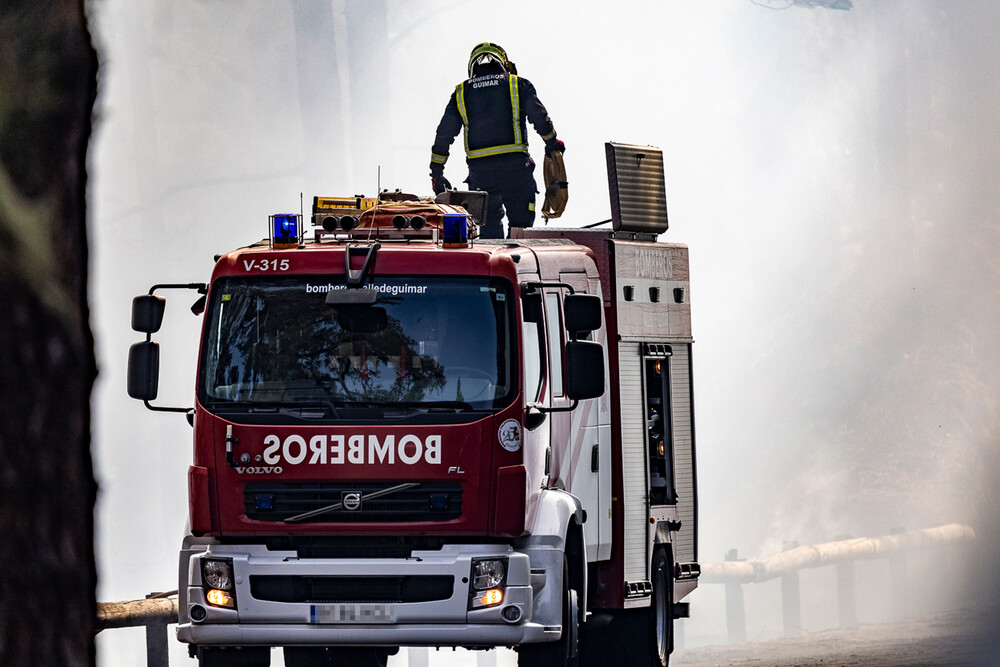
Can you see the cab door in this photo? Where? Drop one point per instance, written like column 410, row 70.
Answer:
column 581, row 438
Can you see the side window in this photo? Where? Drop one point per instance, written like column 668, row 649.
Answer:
column 553, row 325
column 659, row 440
column 534, row 347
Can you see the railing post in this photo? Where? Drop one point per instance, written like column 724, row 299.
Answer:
column 898, row 578
column 736, row 620
column 157, row 651
column 791, row 610
column 846, row 600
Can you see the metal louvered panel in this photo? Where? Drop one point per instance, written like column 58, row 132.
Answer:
column 637, row 187
column 426, row 501
column 683, row 440
column 633, row 460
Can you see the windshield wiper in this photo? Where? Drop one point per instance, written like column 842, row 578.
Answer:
column 333, row 407
column 455, row 406
column 274, row 406
column 430, row 406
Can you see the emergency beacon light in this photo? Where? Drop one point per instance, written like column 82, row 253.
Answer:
column 455, row 230
column 285, row 230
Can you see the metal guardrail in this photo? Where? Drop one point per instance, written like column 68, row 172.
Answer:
column 842, row 554
column 159, row 610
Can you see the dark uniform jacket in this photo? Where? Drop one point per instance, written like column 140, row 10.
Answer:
column 491, row 109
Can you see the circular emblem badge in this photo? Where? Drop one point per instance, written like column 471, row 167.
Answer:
column 510, row 435
column 351, row 501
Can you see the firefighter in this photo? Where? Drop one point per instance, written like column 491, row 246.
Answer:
column 491, row 107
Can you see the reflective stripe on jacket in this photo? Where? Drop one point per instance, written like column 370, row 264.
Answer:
column 491, row 110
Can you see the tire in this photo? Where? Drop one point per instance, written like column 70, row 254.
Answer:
column 231, row 656
column 564, row 652
column 637, row 637
column 333, row 656
column 306, row 656
column 353, row 656
column 661, row 611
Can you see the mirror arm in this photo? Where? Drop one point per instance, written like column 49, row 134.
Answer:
column 356, row 277
column 201, row 287
column 545, row 410
column 535, row 285
column 158, row 408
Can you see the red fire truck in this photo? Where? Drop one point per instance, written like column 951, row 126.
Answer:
column 405, row 436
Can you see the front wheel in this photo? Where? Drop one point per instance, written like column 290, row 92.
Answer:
column 336, row 656
column 234, row 656
column 306, row 656
column 351, row 656
column 565, row 650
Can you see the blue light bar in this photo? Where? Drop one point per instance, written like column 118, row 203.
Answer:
column 455, row 230
column 285, row 230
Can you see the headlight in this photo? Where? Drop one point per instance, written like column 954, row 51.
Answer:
column 488, row 574
column 218, row 574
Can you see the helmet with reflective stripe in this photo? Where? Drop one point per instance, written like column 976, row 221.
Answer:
column 488, row 53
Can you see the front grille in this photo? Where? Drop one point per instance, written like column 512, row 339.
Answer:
column 278, row 501
column 351, row 589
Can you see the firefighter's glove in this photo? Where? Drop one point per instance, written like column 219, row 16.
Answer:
column 554, row 146
column 440, row 183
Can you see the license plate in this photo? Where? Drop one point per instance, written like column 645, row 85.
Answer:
column 352, row 613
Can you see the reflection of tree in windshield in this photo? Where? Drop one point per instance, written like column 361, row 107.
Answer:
column 276, row 340
column 379, row 367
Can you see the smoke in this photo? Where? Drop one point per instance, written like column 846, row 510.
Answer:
column 831, row 171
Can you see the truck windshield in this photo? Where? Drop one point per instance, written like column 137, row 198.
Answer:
column 426, row 343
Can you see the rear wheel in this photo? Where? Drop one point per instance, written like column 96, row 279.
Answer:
column 637, row 637
column 661, row 612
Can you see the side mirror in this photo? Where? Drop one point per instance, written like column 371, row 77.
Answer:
column 582, row 312
column 584, row 369
column 144, row 357
column 198, row 307
column 531, row 306
column 147, row 313
column 533, row 418
column 143, row 370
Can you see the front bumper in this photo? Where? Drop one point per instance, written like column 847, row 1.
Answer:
column 446, row 621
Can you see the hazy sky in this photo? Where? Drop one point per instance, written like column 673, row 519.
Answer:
column 833, row 172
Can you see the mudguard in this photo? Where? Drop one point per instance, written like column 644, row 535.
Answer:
column 554, row 519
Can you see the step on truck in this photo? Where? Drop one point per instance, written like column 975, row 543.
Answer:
column 408, row 436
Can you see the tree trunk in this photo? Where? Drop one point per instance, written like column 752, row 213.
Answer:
column 47, row 368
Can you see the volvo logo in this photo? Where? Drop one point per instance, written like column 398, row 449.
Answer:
column 351, row 501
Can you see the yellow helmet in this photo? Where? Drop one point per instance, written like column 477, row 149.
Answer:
column 486, row 53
